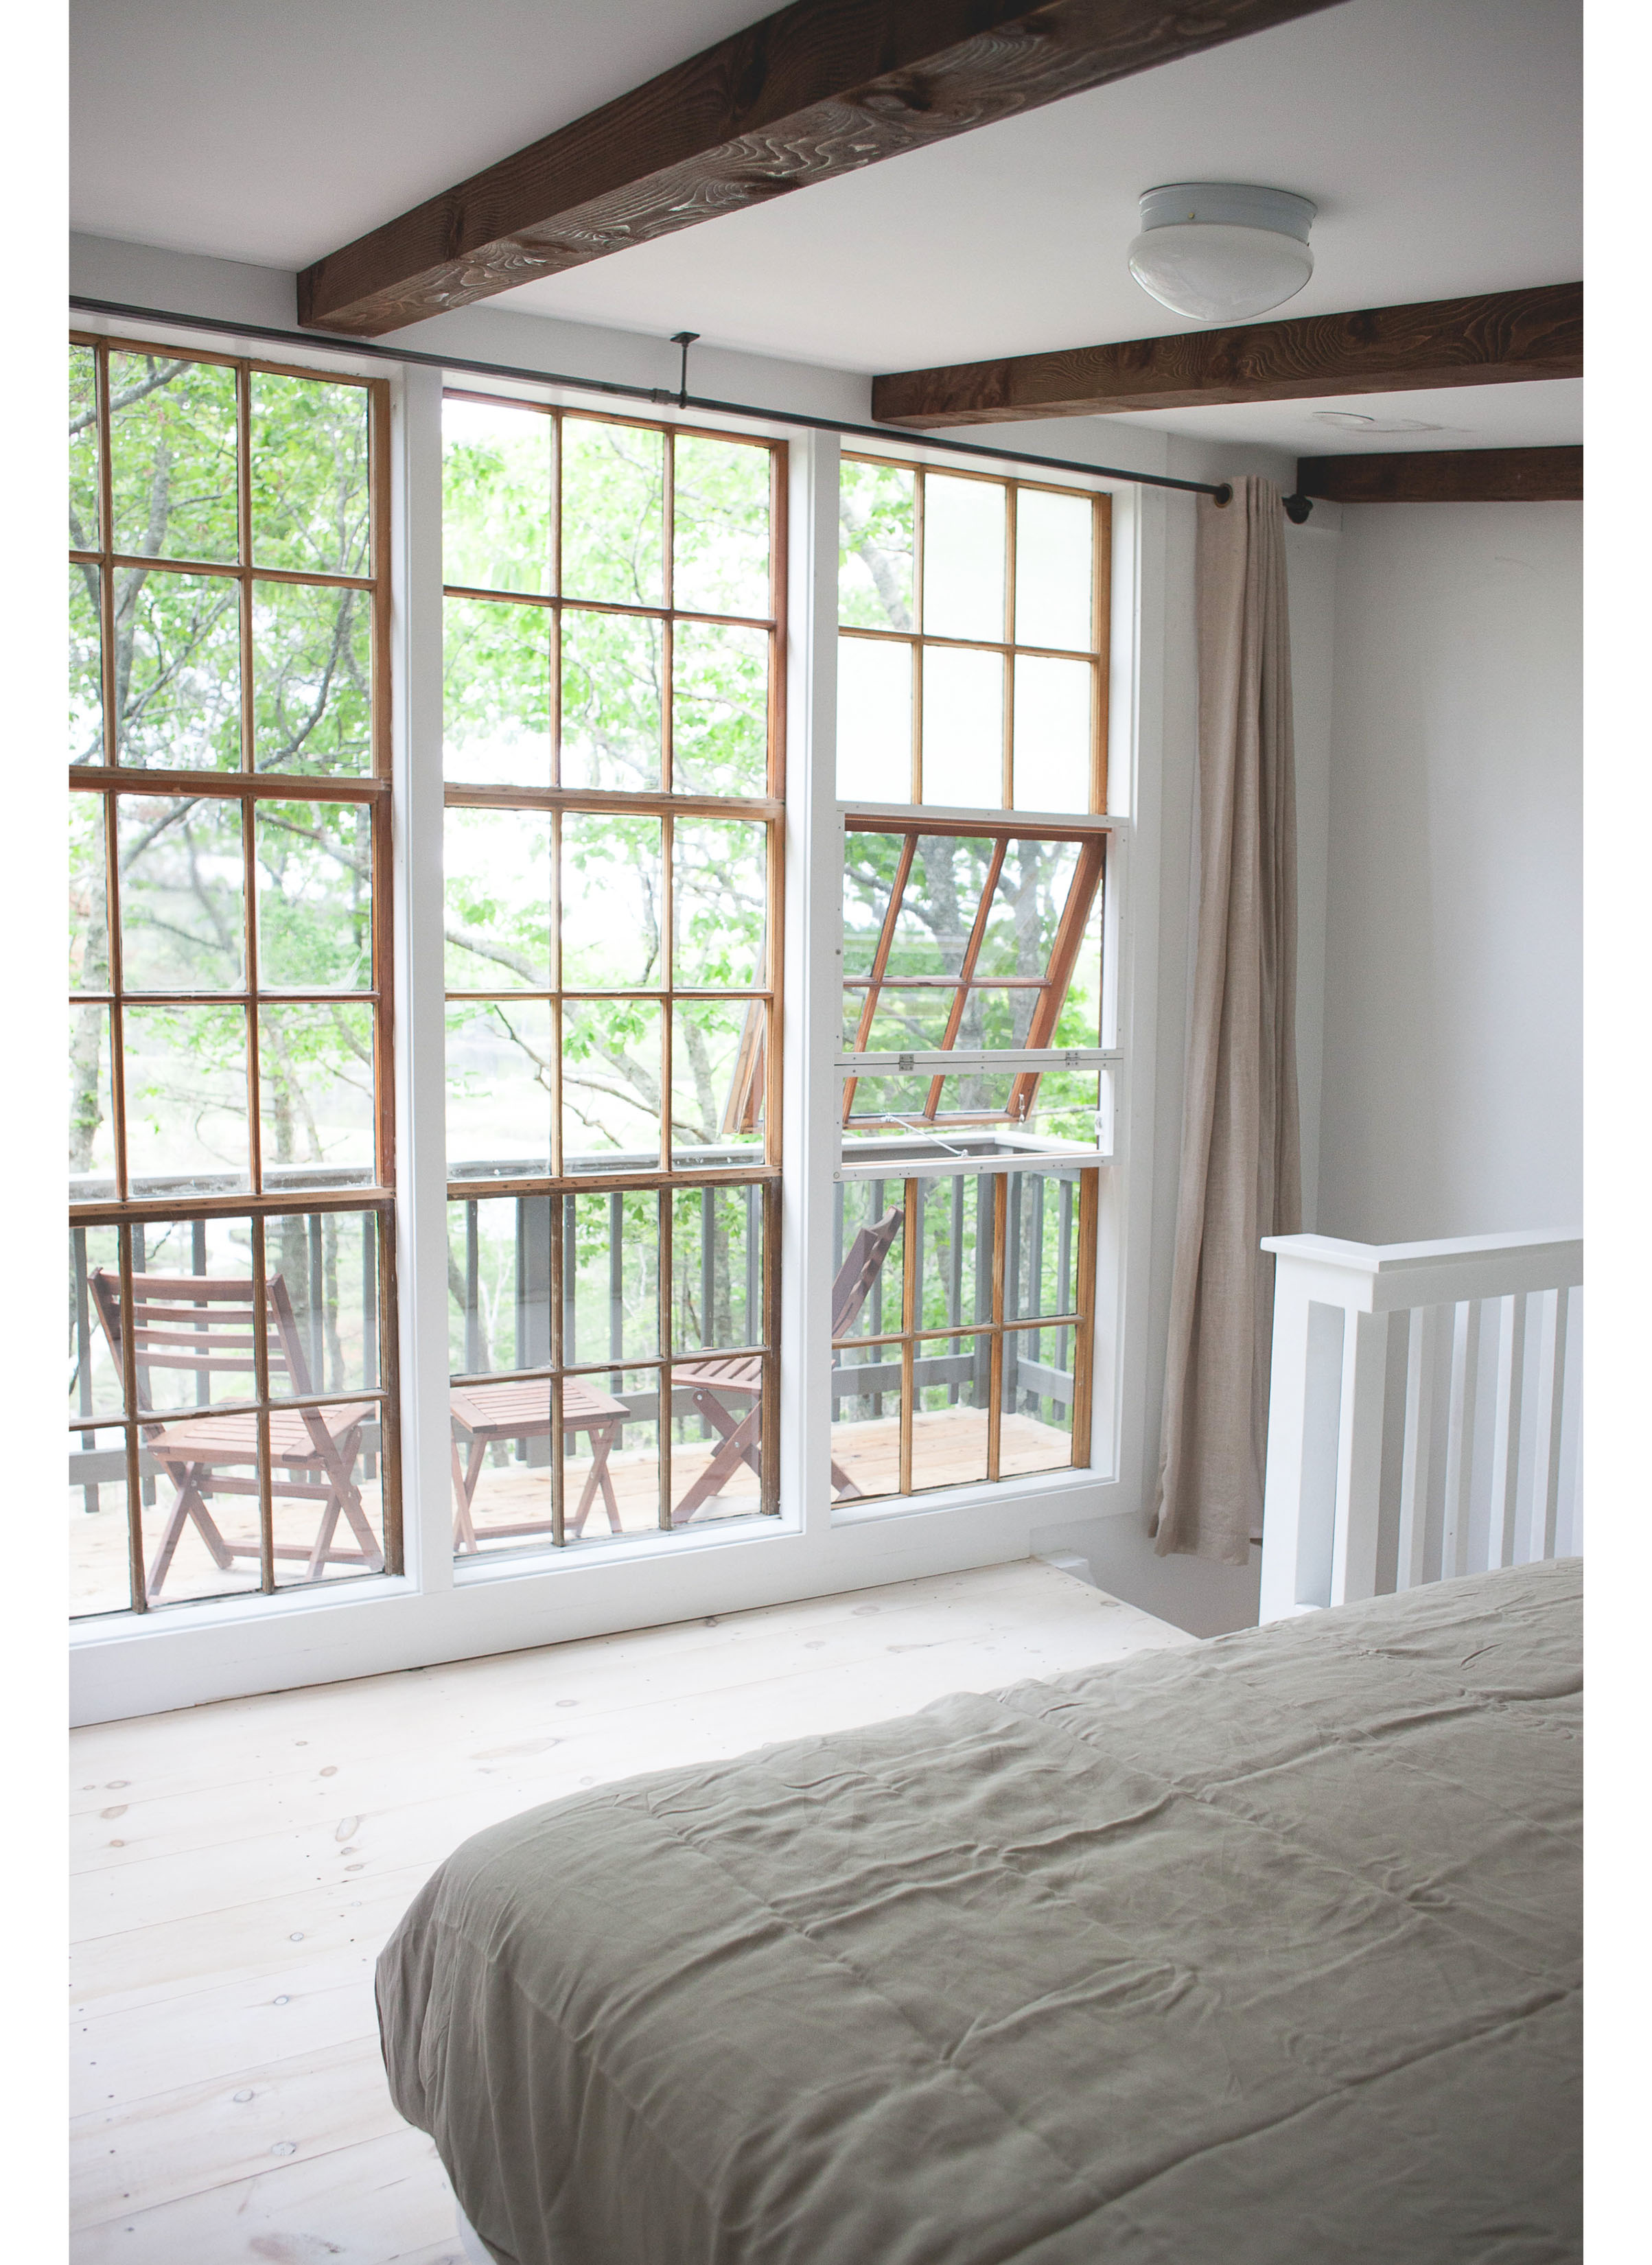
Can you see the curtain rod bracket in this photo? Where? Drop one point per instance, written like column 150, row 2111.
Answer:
column 685, row 340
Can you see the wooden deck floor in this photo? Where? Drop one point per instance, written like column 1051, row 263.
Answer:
column 238, row 1868
column 948, row 1449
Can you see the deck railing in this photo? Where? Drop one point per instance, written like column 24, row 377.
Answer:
column 1423, row 1415
column 1037, row 1366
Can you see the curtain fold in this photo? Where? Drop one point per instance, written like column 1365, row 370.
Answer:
column 1242, row 1174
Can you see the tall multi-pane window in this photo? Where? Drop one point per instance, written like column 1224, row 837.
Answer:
column 976, row 1055
column 231, row 1318
column 613, row 855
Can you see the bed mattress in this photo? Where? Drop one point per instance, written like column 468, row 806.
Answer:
column 1262, row 1952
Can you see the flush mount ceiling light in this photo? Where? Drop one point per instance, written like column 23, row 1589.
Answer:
column 1220, row 251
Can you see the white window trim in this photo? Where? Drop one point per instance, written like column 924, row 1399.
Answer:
column 123, row 1665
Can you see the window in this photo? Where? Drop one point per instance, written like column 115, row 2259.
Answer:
column 231, row 1302
column 976, row 1063
column 614, row 768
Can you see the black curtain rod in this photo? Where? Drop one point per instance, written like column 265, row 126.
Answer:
column 660, row 396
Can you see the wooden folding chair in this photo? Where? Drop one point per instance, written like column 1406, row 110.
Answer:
column 741, row 1377
column 519, row 1409
column 205, row 1324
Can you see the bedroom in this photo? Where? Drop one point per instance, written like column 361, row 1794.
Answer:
column 679, row 948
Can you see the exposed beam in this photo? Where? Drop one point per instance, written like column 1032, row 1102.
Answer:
column 1499, row 338
column 1446, row 476
column 817, row 90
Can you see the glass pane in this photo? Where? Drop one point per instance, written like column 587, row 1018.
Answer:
column 872, row 867
column 342, row 1537
column 182, row 895
column 963, row 557
column 1055, row 602
column 1026, row 911
column 884, row 1105
column 1053, row 733
column 328, row 1267
column 315, row 1097
column 932, row 932
column 720, row 500
column 868, row 1278
column 499, row 1057
column 85, row 666
column 315, row 864
column 496, row 885
column 1041, row 1248
column 501, row 1435
column 963, row 728
column 82, row 448
column 499, row 1284
column 952, row 1388
column 95, row 1387
column 610, row 1429
column 100, row 1555
column 1037, row 1420
column 612, row 905
column 211, row 1524
column 90, row 1105
column 610, row 1275
column 496, row 496
column 612, row 673
column 310, row 506
column 720, row 900
column 720, row 709
column 185, row 1099
column 613, row 512
column 716, row 1267
column 496, row 693
column 716, row 1443
column 208, row 1359
column 172, row 456
column 865, row 1422
column 954, row 1251
column 717, row 1078
column 610, row 1084
column 177, row 670
column 875, row 516
column 88, row 895
column 312, row 678
column 874, row 721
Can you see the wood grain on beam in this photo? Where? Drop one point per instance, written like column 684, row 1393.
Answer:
column 1499, row 338
column 818, row 89
column 1446, row 476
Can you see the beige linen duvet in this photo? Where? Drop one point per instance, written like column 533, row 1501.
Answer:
column 1264, row 1954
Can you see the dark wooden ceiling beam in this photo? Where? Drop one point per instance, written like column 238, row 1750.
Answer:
column 1446, row 476
column 1501, row 338
column 817, row 90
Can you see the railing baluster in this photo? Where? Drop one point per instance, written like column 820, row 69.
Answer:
column 954, row 1271
column 475, row 1352
column 876, row 1213
column 1035, row 1281
column 140, row 1265
column 317, row 1326
column 83, row 1354
column 1505, row 1438
column 751, row 1327
column 1422, row 1357
column 1460, row 1439
column 983, row 1286
column 1012, row 1291
column 1552, row 1409
column 198, row 1265
column 369, row 1324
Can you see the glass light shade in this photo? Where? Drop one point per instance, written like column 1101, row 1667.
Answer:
column 1220, row 251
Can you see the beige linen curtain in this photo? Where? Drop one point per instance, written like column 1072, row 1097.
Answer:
column 1241, row 1175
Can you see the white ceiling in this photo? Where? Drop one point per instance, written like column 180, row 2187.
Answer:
column 1440, row 138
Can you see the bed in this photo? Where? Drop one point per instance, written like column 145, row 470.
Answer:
column 1261, row 1952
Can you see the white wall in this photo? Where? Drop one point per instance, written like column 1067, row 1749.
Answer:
column 1453, row 1073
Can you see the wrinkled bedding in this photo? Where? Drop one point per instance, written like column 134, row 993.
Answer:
column 1262, row 1952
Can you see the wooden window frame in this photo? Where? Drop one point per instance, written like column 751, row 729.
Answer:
column 920, row 640
column 756, row 1091
column 111, row 779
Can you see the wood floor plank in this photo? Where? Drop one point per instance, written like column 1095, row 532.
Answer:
column 385, row 2202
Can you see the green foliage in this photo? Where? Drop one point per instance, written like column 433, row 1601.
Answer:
column 876, row 513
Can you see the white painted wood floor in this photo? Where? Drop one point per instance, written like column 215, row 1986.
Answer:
column 239, row 1866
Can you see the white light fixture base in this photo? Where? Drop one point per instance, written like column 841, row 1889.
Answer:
column 1222, row 250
